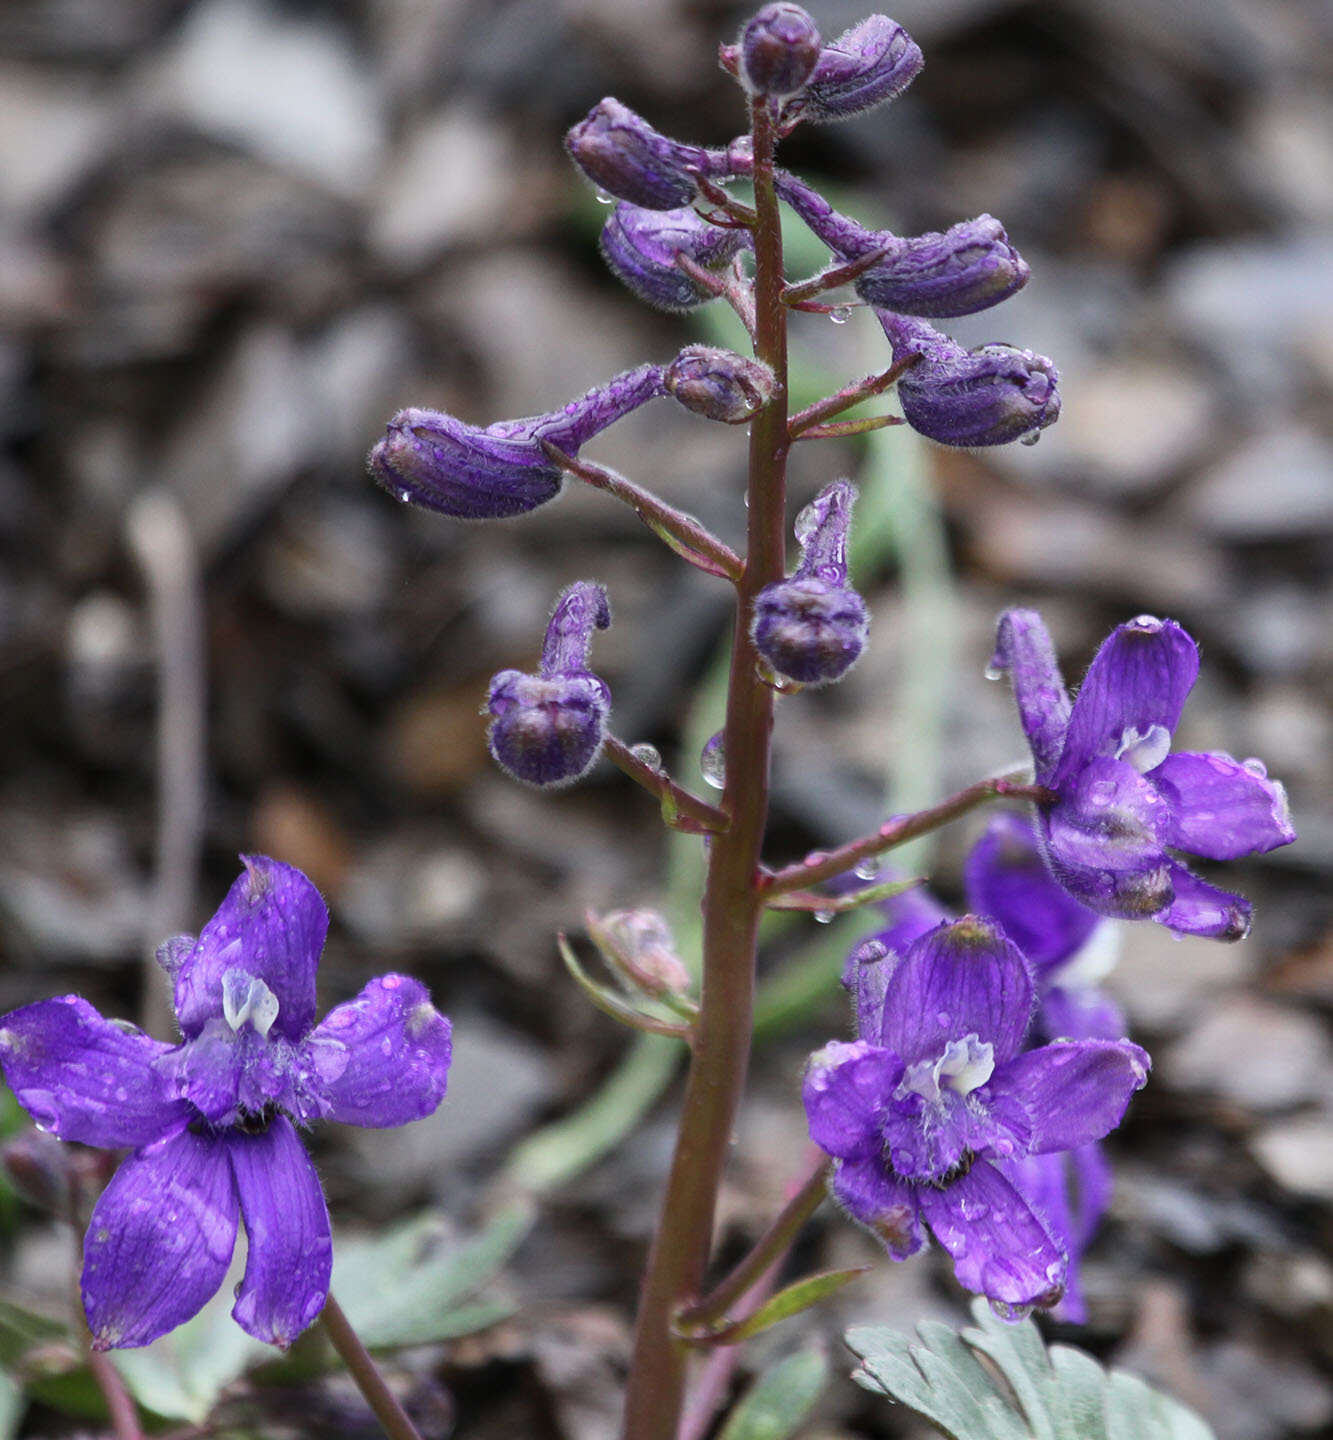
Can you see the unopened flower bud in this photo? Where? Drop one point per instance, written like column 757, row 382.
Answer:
column 987, row 396
column 622, row 154
column 779, row 47
column 641, row 247
column 546, row 729
column 812, row 627
column 435, row 461
column 37, row 1166
column 868, row 65
column 638, row 945
column 969, row 267
column 720, row 384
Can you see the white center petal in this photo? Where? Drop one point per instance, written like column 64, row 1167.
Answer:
column 246, row 998
column 1093, row 961
column 1144, row 749
column 964, row 1065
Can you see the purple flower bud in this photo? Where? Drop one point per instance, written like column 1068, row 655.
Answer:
column 641, row 247
column 869, row 64
column 434, row 460
column 987, row 396
column 779, row 47
column 547, row 729
column 37, row 1166
column 812, row 627
column 621, row 153
column 638, row 945
column 720, row 384
column 970, row 267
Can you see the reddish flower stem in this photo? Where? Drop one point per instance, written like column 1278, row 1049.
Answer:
column 819, row 866
column 733, row 903
column 687, row 811
column 848, row 396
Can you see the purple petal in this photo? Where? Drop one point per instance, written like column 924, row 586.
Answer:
column 1093, row 1183
column 1006, row 879
column 1080, row 1013
column 1202, row 909
column 159, row 1241
column 84, row 1078
column 226, row 1073
column 847, row 1088
column 1104, row 841
column 1223, row 809
column 1135, row 687
column 1000, row 1248
column 1074, row 1091
column 271, row 926
column 397, row 1049
column 290, row 1257
column 1043, row 1182
column 881, row 1202
column 927, row 1144
column 962, row 979
column 1024, row 652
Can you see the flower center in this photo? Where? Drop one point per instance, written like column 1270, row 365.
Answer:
column 245, row 998
column 1144, row 749
column 965, row 1065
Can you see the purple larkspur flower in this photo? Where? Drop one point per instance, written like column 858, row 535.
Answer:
column 989, row 395
column 210, row 1120
column 436, row 462
column 547, row 729
column 623, row 155
column 967, row 268
column 1122, row 802
column 868, row 65
column 812, row 627
column 641, row 248
column 924, row 1109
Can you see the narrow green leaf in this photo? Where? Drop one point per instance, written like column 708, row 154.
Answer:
column 1030, row 1393
column 776, row 1405
column 789, row 1301
column 614, row 1005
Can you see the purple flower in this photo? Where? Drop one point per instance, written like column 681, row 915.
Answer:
column 937, row 1095
column 211, row 1120
column 778, row 49
column 1122, row 803
column 812, row 627
column 969, row 267
column 868, row 65
column 435, row 461
column 986, row 396
column 547, row 729
column 640, row 247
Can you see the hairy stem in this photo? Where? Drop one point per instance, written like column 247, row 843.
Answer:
column 365, row 1373
column 819, row 866
column 686, row 810
column 732, row 902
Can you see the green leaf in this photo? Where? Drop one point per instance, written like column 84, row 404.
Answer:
column 776, row 1405
column 12, row 1406
column 416, row 1284
column 789, row 1301
column 1031, row 1393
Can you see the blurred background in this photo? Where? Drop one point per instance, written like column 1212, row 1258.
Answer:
column 236, row 235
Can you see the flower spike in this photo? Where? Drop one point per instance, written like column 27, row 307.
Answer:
column 547, row 729
column 812, row 627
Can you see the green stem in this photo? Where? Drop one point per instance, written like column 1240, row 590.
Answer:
column 732, row 903
column 365, row 1374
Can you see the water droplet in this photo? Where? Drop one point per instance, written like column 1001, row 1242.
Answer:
column 648, row 755
column 1255, row 767
column 841, row 315
column 866, row 870
column 823, row 917
column 604, row 199
column 943, row 1019
column 713, row 762
column 1011, row 1313
column 404, row 495
column 1031, row 438
column 994, row 672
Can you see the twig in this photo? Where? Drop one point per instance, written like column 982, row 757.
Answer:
column 683, row 810
column 841, row 428
column 849, row 395
column 832, row 278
